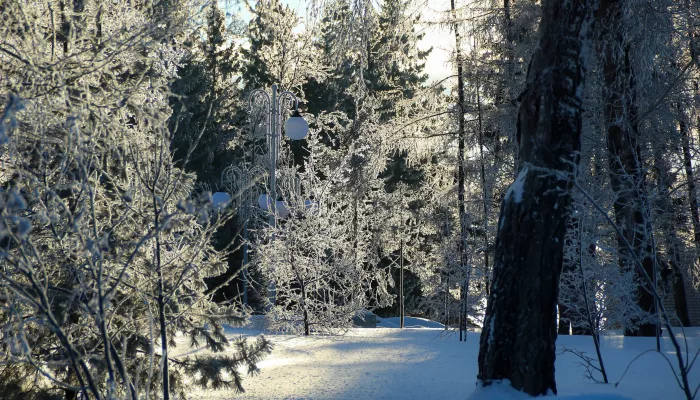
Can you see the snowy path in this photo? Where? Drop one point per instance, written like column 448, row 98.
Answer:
column 386, row 363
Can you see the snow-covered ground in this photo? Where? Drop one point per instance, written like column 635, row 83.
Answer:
column 430, row 363
column 408, row 322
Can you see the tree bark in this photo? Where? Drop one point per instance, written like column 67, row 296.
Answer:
column 520, row 330
column 460, row 167
column 564, row 326
column 572, row 318
column 302, row 301
column 668, row 217
column 624, row 158
column 402, row 310
column 484, row 189
column 690, row 179
column 569, row 319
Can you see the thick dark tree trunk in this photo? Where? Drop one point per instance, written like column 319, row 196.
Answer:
column 520, row 329
column 690, row 178
column 625, row 163
column 678, row 278
column 680, row 299
column 668, row 220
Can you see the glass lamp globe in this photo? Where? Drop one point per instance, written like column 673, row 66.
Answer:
column 281, row 209
column 264, row 202
column 296, row 126
column 220, row 200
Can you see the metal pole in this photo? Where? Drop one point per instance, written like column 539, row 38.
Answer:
column 246, row 207
column 274, row 113
column 271, row 291
column 656, row 314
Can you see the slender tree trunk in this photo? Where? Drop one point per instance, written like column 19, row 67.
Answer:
column 484, row 189
column 510, row 87
column 564, row 326
column 571, row 319
column 302, row 286
column 460, row 158
column 447, row 303
column 464, row 308
column 161, row 305
column 587, row 306
column 626, row 170
column 565, row 313
column 307, row 330
column 402, row 310
column 64, row 36
column 520, row 330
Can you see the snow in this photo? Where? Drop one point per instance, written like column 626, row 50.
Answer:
column 504, row 391
column 517, row 188
column 430, row 363
column 408, row 322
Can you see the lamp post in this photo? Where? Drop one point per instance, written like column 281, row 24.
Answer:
column 296, row 128
column 237, row 180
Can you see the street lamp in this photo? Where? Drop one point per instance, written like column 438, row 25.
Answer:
column 296, row 128
column 238, row 181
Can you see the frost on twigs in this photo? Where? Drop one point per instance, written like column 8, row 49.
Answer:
column 8, row 119
column 101, row 266
column 318, row 271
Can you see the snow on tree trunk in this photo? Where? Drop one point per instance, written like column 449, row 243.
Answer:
column 518, row 338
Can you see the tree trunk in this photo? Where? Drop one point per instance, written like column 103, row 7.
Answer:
column 668, row 217
column 680, row 299
column 447, row 303
column 160, row 300
column 484, row 190
column 690, row 179
column 572, row 318
column 624, row 158
column 307, row 331
column 402, row 310
column 520, row 330
column 460, row 160
column 302, row 287
column 564, row 326
column 509, row 97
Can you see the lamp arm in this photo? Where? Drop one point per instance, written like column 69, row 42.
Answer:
column 291, row 97
column 257, row 93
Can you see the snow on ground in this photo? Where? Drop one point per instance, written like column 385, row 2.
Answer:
column 429, row 363
column 408, row 322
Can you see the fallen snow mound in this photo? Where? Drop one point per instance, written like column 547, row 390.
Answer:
column 409, row 322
